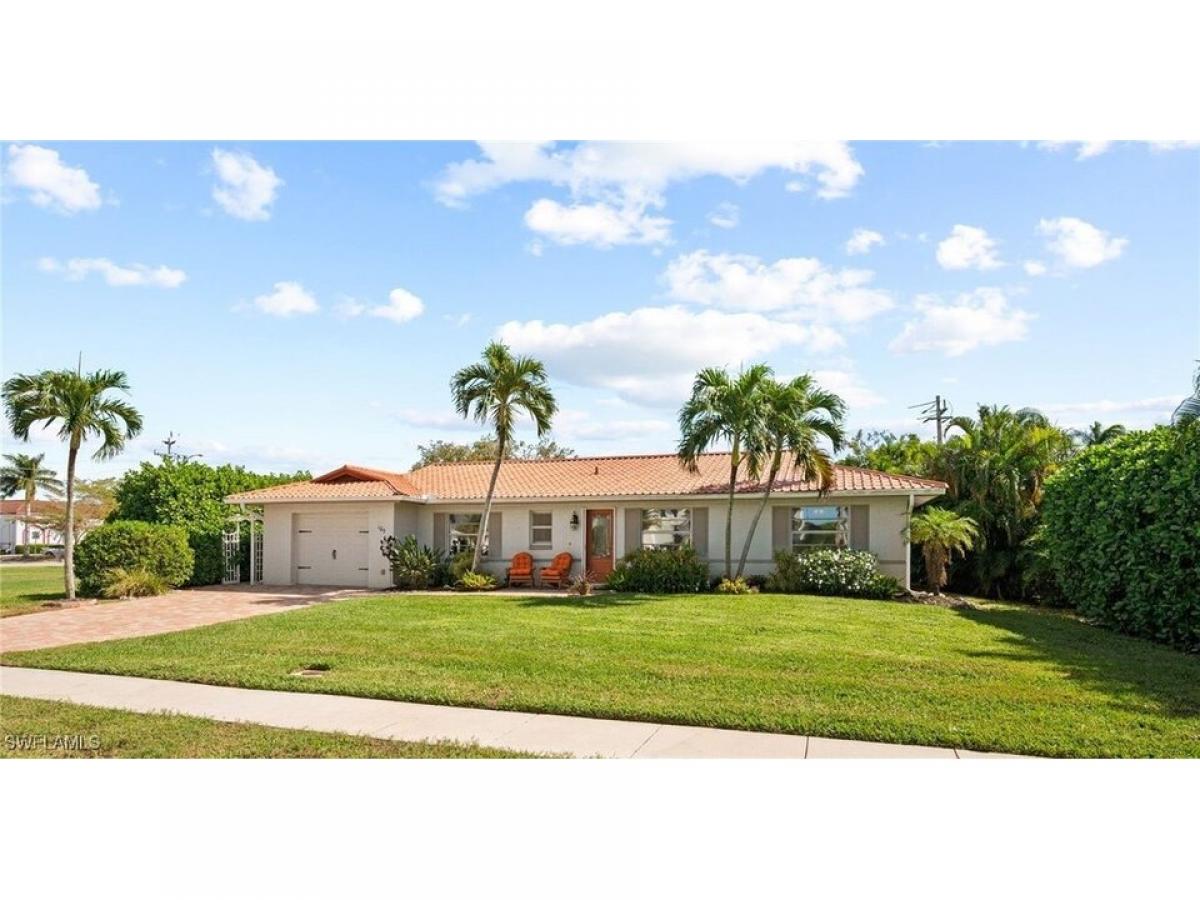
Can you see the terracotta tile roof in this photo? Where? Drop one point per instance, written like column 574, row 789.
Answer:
column 16, row 507
column 596, row 476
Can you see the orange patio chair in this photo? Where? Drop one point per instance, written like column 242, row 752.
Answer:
column 558, row 571
column 521, row 570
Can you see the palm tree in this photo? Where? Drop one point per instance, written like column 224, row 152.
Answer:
column 1096, row 434
column 24, row 474
column 725, row 410
column 797, row 413
column 497, row 391
column 82, row 408
column 1189, row 410
column 941, row 533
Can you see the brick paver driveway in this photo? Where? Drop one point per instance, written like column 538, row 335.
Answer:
column 175, row 611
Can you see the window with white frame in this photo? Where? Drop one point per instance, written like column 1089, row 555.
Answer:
column 666, row 527
column 464, row 532
column 820, row 526
column 541, row 529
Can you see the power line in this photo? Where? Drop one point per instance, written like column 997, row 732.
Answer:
column 934, row 410
column 170, row 453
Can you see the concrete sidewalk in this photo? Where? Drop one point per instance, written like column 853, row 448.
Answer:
column 526, row 732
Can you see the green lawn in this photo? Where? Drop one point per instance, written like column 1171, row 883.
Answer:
column 24, row 587
column 46, row 728
column 1004, row 678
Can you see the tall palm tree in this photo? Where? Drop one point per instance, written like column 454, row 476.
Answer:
column 83, row 409
column 725, row 410
column 1096, row 434
column 797, row 414
column 24, row 474
column 498, row 391
column 1189, row 410
column 941, row 533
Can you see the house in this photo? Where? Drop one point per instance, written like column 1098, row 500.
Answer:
column 327, row 531
column 44, row 521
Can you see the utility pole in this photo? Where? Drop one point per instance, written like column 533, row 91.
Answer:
column 170, row 453
column 934, row 411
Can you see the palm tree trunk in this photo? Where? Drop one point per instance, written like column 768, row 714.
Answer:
column 69, row 537
column 28, row 515
column 487, row 507
column 733, row 470
column 776, row 463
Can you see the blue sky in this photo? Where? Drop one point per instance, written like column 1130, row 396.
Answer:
column 305, row 304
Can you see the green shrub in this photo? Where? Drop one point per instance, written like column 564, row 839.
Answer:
column 837, row 573
column 30, row 549
column 735, row 586
column 414, row 568
column 1121, row 534
column 459, row 565
column 475, row 581
column 660, row 570
column 159, row 549
column 121, row 582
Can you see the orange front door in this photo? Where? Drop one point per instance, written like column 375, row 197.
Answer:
column 599, row 562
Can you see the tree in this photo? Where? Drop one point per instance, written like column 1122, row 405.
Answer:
column 83, row 408
column 484, row 448
column 906, row 454
column 498, row 391
column 24, row 474
column 1096, row 434
column 797, row 414
column 941, row 533
column 725, row 410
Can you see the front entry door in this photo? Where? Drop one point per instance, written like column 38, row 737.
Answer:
column 599, row 562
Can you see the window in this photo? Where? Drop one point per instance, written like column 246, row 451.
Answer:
column 464, row 531
column 820, row 526
column 666, row 527
column 541, row 531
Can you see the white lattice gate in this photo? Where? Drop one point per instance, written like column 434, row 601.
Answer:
column 231, row 545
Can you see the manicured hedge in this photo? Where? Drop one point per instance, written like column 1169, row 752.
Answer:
column 1121, row 534
column 159, row 549
column 660, row 570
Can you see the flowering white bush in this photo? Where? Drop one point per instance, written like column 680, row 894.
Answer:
column 845, row 573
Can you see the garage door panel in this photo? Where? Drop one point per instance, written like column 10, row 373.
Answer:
column 332, row 548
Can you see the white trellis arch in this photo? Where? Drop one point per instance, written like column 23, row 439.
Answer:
column 231, row 544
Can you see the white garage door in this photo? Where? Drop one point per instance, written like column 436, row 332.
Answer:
column 332, row 548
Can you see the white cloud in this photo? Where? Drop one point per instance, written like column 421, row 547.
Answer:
column 1079, row 244
column 802, row 287
column 349, row 308
column 601, row 224
column 441, row 419
column 968, row 247
column 401, row 307
column 577, row 425
column 1034, row 267
column 132, row 275
column 246, row 189
column 650, row 355
column 862, row 240
column 289, row 298
column 726, row 215
column 980, row 318
column 849, row 386
column 1168, row 146
column 1143, row 411
column 642, row 170
column 458, row 320
column 1083, row 149
column 50, row 183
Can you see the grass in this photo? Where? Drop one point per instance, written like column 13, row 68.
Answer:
column 1004, row 677
column 24, row 587
column 48, row 728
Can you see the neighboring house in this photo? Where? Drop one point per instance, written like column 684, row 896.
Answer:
column 328, row 530
column 45, row 518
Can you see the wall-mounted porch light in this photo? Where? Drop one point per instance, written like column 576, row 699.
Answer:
column 574, row 520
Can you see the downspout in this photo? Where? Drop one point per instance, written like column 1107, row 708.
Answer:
column 908, row 545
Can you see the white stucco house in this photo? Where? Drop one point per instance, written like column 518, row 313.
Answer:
column 328, row 531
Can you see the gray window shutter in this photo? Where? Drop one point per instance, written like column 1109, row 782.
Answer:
column 700, row 530
column 860, row 527
column 633, row 529
column 440, row 528
column 781, row 528
column 495, row 535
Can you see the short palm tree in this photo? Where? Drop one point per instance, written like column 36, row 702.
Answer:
column 1096, row 434
column 24, row 474
column 497, row 391
column 797, row 414
column 1188, row 411
column 725, row 410
column 941, row 533
column 83, row 409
